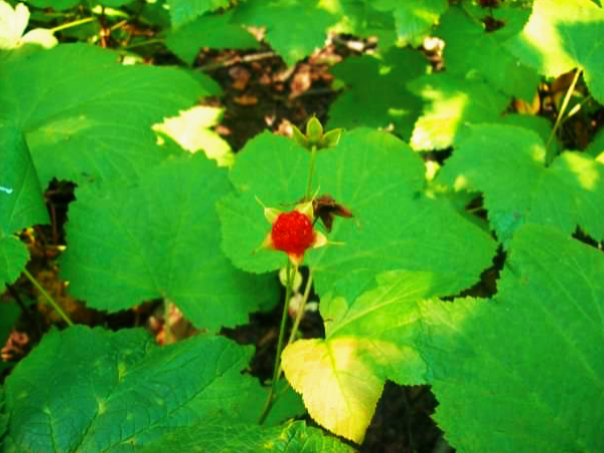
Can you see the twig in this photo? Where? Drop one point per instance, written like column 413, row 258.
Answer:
column 50, row 300
column 238, row 59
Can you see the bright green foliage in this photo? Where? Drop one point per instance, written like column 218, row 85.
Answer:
column 379, row 179
column 159, row 239
column 470, row 49
column 562, row 35
column 294, row 28
column 361, row 18
column 596, row 147
column 86, row 115
column 222, row 436
column 524, row 372
column 191, row 130
column 414, row 20
column 94, row 390
column 542, row 126
column 210, row 30
column 506, row 163
column 21, row 202
column 451, row 104
column 366, row 342
column 183, row 11
column 375, row 94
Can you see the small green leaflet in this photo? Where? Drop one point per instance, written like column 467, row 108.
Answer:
column 85, row 115
column 469, row 48
column 21, row 202
column 294, row 28
column 375, row 93
column 366, row 342
column 94, row 390
column 159, row 239
column 451, row 103
column 380, row 180
column 562, row 35
column 224, row 436
column 506, row 163
column 523, row 372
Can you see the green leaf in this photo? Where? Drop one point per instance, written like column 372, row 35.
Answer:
column 376, row 95
column 562, row 35
column 506, row 163
column 451, row 104
column 542, row 126
column 21, row 202
column 215, row 30
column 159, row 239
column 379, row 179
column 521, row 372
column 86, row 115
column 191, row 130
column 222, row 436
column 294, row 28
column 469, row 48
column 366, row 342
column 183, row 11
column 94, row 390
column 596, row 146
column 361, row 18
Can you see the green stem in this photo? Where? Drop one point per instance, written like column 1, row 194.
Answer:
column 144, row 43
column 300, row 313
column 277, row 367
column 72, row 24
column 548, row 154
column 50, row 300
column 311, row 173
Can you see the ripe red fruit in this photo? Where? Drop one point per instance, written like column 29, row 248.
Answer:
column 293, row 233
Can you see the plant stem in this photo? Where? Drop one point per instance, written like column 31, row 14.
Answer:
column 50, row 300
column 311, row 173
column 144, row 43
column 548, row 154
column 300, row 314
column 277, row 367
column 71, row 24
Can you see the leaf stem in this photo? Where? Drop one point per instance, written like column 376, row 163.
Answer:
column 50, row 300
column 277, row 367
column 548, row 154
column 75, row 23
column 311, row 173
column 300, row 314
column 144, row 43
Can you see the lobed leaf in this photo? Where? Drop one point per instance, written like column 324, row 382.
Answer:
column 520, row 372
column 562, row 35
column 22, row 202
column 94, row 390
column 366, row 342
column 85, row 115
column 159, row 238
column 184, row 11
column 506, row 163
column 380, row 180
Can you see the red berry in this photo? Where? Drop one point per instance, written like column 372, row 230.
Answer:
column 292, row 233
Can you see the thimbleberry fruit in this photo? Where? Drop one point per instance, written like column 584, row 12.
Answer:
column 293, row 233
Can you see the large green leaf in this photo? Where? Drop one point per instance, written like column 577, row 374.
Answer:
column 375, row 94
column 224, row 436
column 94, row 390
column 524, row 372
column 54, row 4
column 84, row 113
column 470, row 48
column 506, row 163
column 380, row 180
column 366, row 342
column 294, row 28
column 159, row 238
column 562, row 35
column 451, row 104
column 21, row 202
column 210, row 30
